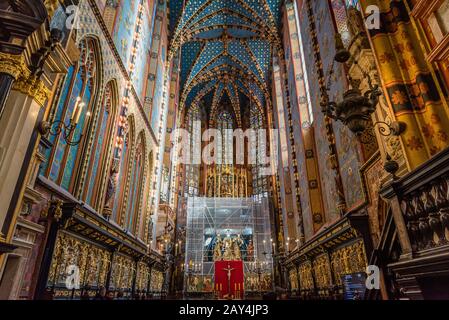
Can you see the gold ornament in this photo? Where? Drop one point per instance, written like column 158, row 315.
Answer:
column 51, row 6
column 13, row 65
column 33, row 87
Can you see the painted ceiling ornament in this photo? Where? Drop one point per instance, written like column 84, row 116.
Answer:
column 221, row 41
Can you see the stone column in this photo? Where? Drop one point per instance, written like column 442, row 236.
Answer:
column 17, row 140
column 11, row 66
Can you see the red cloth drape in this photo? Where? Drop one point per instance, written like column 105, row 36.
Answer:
column 236, row 280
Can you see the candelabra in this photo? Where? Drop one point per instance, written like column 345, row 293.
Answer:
column 259, row 267
column 59, row 127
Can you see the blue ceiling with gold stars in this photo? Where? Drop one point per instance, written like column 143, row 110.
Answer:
column 226, row 51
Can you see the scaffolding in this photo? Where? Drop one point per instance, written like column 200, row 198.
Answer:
column 212, row 219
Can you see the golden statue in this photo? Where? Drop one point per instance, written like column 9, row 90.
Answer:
column 236, row 248
column 217, row 249
column 228, row 252
column 250, row 251
column 210, row 185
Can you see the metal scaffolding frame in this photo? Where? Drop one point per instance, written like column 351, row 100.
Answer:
column 229, row 217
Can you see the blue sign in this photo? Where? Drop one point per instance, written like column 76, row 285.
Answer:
column 354, row 286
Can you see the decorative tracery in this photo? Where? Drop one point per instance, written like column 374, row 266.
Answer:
column 124, row 160
column 100, row 148
column 80, row 87
column 136, row 186
column 192, row 171
column 258, row 153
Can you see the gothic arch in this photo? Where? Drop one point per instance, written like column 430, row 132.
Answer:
column 101, row 148
column 136, row 184
column 145, row 212
column 124, row 173
column 66, row 163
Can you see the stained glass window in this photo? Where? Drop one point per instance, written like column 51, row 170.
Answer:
column 339, row 9
column 258, row 151
column 305, row 108
column 124, row 161
column 341, row 20
column 100, row 147
column 353, row 3
column 225, row 125
column 192, row 172
column 80, row 87
column 135, row 187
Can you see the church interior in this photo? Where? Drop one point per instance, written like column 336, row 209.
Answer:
column 224, row 149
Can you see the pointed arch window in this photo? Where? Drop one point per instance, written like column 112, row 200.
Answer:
column 193, row 126
column 80, row 84
column 340, row 15
column 260, row 181
column 124, row 162
column 147, row 195
column 135, row 187
column 224, row 178
column 225, row 125
column 306, row 108
column 98, row 166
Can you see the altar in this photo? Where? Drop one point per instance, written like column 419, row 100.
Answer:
column 229, row 280
column 228, row 247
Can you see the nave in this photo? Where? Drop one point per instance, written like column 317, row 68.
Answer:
column 224, row 150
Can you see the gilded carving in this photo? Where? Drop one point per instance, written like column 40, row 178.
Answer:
column 157, row 279
column 305, row 276
column 322, row 270
column 348, row 260
column 26, row 83
column 123, row 270
column 33, row 87
column 13, row 65
column 51, row 6
column 226, row 181
column 143, row 273
column 293, row 276
column 93, row 262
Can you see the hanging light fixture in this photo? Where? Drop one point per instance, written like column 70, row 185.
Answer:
column 356, row 109
column 67, row 130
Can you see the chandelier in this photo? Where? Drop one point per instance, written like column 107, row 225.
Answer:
column 355, row 110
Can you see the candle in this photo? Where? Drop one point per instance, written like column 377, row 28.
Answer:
column 75, row 108
column 78, row 111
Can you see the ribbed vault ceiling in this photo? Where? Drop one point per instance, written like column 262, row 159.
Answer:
column 227, row 48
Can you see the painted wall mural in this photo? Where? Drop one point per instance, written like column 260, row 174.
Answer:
column 142, row 56
column 346, row 142
column 157, row 100
column 124, row 28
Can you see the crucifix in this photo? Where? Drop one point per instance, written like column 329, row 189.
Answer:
column 229, row 273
